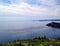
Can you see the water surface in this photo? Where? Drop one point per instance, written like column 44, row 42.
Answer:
column 14, row 30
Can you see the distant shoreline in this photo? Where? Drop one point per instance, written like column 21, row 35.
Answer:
column 46, row 20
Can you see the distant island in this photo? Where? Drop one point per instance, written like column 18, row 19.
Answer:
column 54, row 24
column 48, row 20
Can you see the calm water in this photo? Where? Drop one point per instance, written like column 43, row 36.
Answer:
column 10, row 30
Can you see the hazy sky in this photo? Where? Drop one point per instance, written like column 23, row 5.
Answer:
column 31, row 9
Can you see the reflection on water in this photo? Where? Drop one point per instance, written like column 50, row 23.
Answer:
column 26, row 29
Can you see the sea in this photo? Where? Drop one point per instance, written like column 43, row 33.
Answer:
column 19, row 30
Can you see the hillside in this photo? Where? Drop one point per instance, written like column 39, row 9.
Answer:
column 34, row 42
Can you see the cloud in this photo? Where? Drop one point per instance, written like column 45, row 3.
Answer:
column 33, row 8
column 31, row 2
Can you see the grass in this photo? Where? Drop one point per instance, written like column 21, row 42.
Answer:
column 34, row 42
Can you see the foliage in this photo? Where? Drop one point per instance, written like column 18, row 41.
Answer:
column 37, row 41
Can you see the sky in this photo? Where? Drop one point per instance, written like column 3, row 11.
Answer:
column 29, row 9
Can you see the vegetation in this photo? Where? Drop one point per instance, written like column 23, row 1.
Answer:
column 37, row 41
column 54, row 24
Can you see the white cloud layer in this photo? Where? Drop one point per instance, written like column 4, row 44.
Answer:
column 23, row 8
